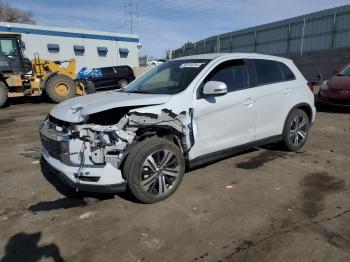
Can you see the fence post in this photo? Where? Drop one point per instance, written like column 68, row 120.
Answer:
column 333, row 29
column 255, row 41
column 288, row 38
column 302, row 41
column 218, row 44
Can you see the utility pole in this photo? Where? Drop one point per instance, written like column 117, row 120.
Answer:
column 130, row 12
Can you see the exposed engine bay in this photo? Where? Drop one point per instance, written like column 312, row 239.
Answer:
column 96, row 143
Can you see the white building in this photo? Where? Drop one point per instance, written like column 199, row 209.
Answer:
column 89, row 48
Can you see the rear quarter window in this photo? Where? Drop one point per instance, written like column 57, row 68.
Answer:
column 107, row 70
column 124, row 70
column 287, row 73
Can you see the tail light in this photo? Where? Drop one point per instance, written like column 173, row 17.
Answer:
column 311, row 86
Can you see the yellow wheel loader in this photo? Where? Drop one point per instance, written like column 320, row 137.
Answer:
column 21, row 77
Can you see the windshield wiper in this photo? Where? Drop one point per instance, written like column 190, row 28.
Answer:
column 137, row 92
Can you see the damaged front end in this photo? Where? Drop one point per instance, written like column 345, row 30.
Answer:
column 92, row 152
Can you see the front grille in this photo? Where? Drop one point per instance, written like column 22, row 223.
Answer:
column 53, row 147
column 51, row 141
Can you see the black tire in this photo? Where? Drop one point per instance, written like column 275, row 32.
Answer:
column 134, row 170
column 52, row 91
column 3, row 95
column 89, row 86
column 122, row 83
column 296, row 142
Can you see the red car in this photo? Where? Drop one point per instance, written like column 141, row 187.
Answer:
column 336, row 90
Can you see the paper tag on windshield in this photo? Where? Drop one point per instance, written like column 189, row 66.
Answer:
column 191, row 65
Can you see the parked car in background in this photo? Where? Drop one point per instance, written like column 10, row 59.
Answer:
column 157, row 62
column 336, row 90
column 115, row 77
column 188, row 111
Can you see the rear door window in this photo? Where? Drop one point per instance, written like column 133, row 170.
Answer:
column 267, row 72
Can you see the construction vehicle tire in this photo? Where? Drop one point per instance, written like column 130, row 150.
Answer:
column 89, row 86
column 60, row 87
column 3, row 95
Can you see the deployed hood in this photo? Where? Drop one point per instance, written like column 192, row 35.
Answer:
column 77, row 109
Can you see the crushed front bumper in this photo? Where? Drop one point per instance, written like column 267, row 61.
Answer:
column 101, row 179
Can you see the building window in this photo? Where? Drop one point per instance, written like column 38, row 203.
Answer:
column 102, row 51
column 79, row 50
column 53, row 48
column 124, row 52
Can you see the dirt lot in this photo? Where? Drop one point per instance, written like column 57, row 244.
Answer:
column 277, row 206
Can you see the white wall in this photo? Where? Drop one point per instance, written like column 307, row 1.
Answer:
column 37, row 43
column 90, row 59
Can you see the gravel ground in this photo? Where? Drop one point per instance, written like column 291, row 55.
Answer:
column 262, row 205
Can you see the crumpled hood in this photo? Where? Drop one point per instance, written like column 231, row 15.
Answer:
column 77, row 109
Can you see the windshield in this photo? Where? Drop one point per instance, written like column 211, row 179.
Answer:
column 169, row 78
column 8, row 47
column 346, row 71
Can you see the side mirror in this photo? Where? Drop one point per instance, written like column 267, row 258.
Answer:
column 214, row 88
column 22, row 45
column 336, row 72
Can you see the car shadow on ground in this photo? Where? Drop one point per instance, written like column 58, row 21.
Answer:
column 71, row 198
column 27, row 100
column 25, row 247
column 74, row 199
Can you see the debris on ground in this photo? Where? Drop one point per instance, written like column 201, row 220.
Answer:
column 151, row 242
column 33, row 152
column 87, row 215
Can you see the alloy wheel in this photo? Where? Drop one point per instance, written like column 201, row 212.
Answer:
column 298, row 130
column 159, row 172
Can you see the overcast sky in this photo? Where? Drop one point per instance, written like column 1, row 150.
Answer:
column 168, row 24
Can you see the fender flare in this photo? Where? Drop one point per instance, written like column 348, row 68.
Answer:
column 301, row 106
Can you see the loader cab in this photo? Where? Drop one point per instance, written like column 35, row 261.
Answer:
column 12, row 60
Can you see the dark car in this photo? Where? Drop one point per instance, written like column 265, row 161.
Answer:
column 336, row 90
column 115, row 77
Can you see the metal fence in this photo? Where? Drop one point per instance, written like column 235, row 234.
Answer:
column 326, row 29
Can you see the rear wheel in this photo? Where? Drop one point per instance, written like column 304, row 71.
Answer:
column 3, row 95
column 123, row 83
column 87, row 86
column 60, row 87
column 154, row 169
column 296, row 130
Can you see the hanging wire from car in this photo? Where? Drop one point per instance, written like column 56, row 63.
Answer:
column 81, row 166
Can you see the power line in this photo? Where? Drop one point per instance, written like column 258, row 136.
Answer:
column 171, row 13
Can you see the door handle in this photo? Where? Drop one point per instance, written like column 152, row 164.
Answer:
column 286, row 91
column 248, row 102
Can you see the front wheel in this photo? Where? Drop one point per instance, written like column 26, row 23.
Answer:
column 3, row 95
column 154, row 169
column 296, row 130
column 60, row 87
column 122, row 83
column 86, row 87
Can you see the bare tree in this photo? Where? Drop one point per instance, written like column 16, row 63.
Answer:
column 15, row 15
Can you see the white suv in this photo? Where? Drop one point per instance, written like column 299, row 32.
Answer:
column 185, row 112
